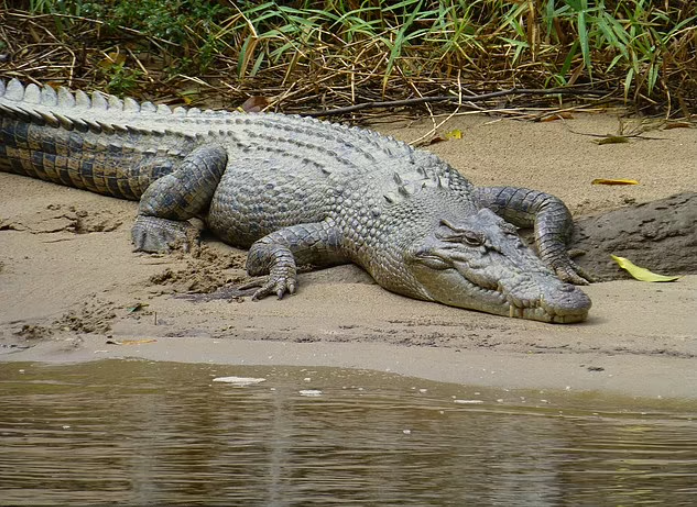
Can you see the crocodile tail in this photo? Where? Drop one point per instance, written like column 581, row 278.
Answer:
column 63, row 98
column 59, row 136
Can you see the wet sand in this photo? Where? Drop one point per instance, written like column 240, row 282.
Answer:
column 69, row 282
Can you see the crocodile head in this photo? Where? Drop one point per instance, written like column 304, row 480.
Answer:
column 479, row 262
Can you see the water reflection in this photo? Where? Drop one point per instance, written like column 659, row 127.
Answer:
column 143, row 433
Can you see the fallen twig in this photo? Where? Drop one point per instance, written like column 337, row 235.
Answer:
column 449, row 98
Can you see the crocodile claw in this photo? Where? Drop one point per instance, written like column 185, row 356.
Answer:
column 160, row 235
column 568, row 271
column 279, row 282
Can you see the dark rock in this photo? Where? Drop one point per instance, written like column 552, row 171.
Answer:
column 659, row 235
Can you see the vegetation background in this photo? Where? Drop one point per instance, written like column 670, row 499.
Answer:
column 307, row 55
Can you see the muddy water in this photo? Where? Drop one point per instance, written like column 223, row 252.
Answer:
column 141, row 433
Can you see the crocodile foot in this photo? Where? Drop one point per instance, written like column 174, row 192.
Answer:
column 160, row 235
column 568, row 271
column 282, row 280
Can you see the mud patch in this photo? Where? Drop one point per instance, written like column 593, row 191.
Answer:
column 34, row 332
column 207, row 270
column 659, row 235
column 92, row 317
column 6, row 225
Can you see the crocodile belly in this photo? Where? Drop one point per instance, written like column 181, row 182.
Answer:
column 250, row 203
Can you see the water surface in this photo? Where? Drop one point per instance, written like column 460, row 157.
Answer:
column 135, row 432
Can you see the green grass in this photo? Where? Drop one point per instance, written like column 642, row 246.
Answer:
column 377, row 49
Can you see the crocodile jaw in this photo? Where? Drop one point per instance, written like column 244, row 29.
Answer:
column 554, row 301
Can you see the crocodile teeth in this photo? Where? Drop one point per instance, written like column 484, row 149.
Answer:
column 515, row 311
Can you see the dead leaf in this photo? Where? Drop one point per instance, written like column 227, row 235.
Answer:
column 612, row 140
column 603, row 181
column 678, row 125
column 564, row 115
column 254, row 104
column 639, row 273
column 433, row 140
column 454, row 134
column 38, row 37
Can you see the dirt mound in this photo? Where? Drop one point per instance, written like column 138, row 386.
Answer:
column 659, row 235
column 207, row 269
column 58, row 218
column 93, row 316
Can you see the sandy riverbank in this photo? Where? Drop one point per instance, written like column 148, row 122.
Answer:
column 68, row 278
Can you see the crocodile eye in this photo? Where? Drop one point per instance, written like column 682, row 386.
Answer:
column 472, row 238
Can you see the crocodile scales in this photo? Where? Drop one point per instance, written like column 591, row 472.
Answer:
column 299, row 191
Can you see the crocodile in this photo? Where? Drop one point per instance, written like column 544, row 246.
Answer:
column 299, row 191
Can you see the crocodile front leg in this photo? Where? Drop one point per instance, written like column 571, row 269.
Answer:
column 279, row 253
column 550, row 218
column 170, row 201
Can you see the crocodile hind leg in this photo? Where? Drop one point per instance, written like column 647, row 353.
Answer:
column 278, row 254
column 550, row 218
column 170, row 201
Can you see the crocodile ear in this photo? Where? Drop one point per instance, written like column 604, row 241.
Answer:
column 447, row 223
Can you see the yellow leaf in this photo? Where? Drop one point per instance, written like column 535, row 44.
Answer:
column 603, row 181
column 642, row 274
column 454, row 134
column 189, row 96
